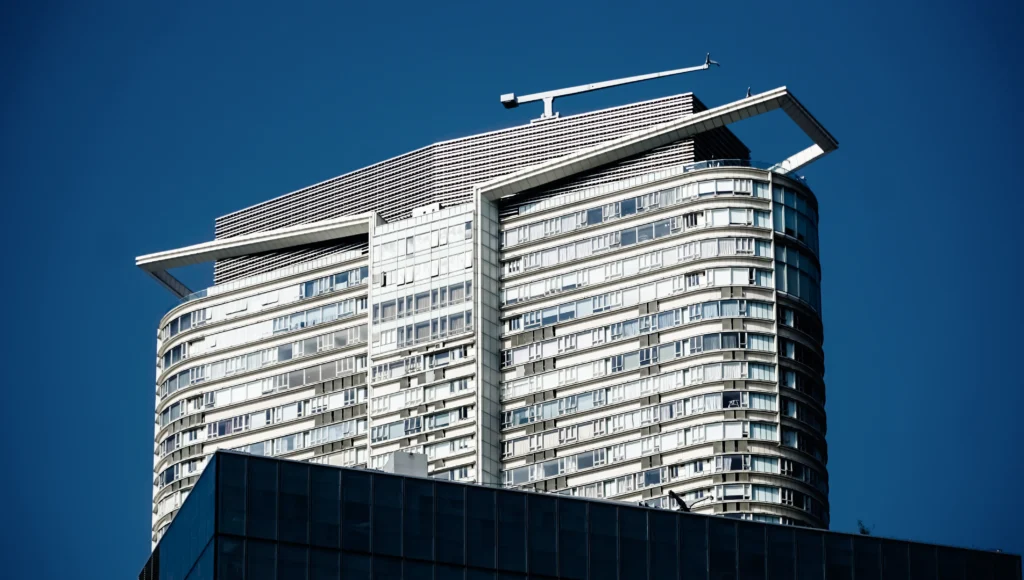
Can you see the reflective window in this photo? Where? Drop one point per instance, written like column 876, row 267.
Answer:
column 324, row 564
column 356, row 566
column 419, row 519
column 230, row 556
column 260, row 560
column 664, row 544
column 448, row 572
column 721, row 549
column 262, row 499
column 231, row 486
column 451, row 513
column 542, row 539
column 895, row 559
column 572, row 538
column 632, row 543
column 693, row 540
column 355, row 517
column 413, row 570
column 838, row 557
column 810, row 562
column 750, row 539
column 603, row 548
column 325, row 507
column 387, row 515
column 781, row 552
column 867, row 558
column 512, row 531
column 922, row 561
column 480, row 532
column 386, row 568
column 293, row 518
column 292, row 562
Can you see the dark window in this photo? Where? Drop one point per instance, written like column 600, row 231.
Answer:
column 231, row 485
column 867, row 558
column 355, row 517
column 951, row 564
column 260, row 560
column 838, row 557
column 895, row 559
column 594, row 216
column 781, row 553
column 413, row 570
column 662, row 228
column 325, row 506
column 664, row 552
column 627, row 207
column 512, row 532
column 291, row 562
column 572, row 538
column 387, row 516
column 603, row 549
column 419, row 519
column 448, row 572
column 751, row 543
column 324, row 565
column 474, row 574
column 632, row 543
column 922, row 561
column 451, row 515
column 386, row 568
column 810, row 564
column 722, row 549
column 480, row 533
column 293, row 515
column 693, row 541
column 645, row 233
column 355, row 566
column 262, row 499
column 542, row 528
column 628, row 237
column 230, row 559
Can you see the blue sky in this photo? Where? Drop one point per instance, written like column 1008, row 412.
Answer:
column 126, row 128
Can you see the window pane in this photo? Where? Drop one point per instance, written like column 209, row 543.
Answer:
column 603, row 557
column 895, row 559
column 355, row 566
column 450, row 523
column 387, row 516
column 419, row 519
column 324, row 564
column 293, row 517
column 722, row 549
column 922, row 561
column 260, row 560
column 413, row 570
column 867, row 558
column 512, row 532
column 231, row 485
column 480, row 531
column 663, row 544
column 542, row 536
column 291, row 562
column 693, row 539
column 230, row 561
column 781, row 552
column 355, row 518
column 751, row 542
column 838, row 557
column 262, row 505
column 632, row 543
column 325, row 507
column 572, row 538
column 474, row 574
column 810, row 563
column 386, row 568
column 448, row 572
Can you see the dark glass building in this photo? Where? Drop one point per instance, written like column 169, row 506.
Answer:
column 257, row 518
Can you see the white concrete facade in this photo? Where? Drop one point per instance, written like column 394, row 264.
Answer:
column 646, row 332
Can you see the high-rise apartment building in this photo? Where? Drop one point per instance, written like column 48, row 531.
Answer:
column 616, row 304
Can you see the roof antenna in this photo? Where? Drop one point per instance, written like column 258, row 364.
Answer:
column 748, row 92
column 511, row 101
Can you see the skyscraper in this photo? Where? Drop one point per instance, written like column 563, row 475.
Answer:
column 616, row 304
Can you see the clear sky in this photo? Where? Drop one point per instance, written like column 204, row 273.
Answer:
column 126, row 128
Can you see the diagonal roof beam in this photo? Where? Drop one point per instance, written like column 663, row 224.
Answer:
column 676, row 130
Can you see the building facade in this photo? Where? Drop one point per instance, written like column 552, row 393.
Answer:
column 256, row 518
column 611, row 305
